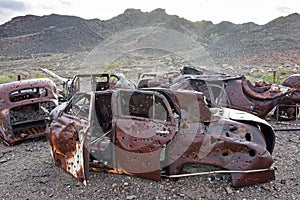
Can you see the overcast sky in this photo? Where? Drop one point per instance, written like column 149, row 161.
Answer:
column 236, row 11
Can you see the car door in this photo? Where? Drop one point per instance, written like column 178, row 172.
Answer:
column 67, row 136
column 144, row 126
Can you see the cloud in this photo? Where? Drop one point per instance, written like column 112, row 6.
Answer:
column 284, row 9
column 10, row 8
column 44, row 7
column 12, row 5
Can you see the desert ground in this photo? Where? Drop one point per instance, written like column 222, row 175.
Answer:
column 28, row 172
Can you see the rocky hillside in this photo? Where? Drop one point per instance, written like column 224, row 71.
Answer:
column 277, row 42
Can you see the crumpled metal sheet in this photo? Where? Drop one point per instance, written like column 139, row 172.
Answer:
column 293, row 82
column 236, row 92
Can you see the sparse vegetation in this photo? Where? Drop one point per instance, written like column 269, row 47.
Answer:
column 3, row 79
column 8, row 76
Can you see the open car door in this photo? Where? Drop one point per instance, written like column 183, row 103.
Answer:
column 67, row 136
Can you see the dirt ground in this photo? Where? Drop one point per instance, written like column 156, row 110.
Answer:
column 27, row 172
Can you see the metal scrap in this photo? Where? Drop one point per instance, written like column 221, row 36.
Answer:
column 235, row 91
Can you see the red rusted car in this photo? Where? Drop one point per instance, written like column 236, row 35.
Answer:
column 154, row 133
column 24, row 107
column 236, row 92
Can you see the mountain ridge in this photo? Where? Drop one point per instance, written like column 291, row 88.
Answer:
column 226, row 42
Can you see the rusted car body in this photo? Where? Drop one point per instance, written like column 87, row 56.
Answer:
column 164, row 79
column 289, row 109
column 144, row 79
column 24, row 107
column 95, row 82
column 156, row 79
column 236, row 92
column 156, row 132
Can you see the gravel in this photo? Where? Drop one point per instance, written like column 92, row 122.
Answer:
column 27, row 172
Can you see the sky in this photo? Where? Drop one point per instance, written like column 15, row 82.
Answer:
column 235, row 11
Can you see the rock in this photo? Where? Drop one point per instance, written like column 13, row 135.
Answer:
column 228, row 190
column 265, row 187
column 3, row 160
column 131, row 197
column 283, row 181
column 114, row 185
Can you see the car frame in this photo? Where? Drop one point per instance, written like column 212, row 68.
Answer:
column 84, row 82
column 154, row 133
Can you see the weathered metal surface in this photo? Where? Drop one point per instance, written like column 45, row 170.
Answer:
column 24, row 107
column 288, row 109
column 190, row 70
column 155, row 132
column 144, row 79
column 236, row 92
column 164, row 79
column 67, row 148
column 292, row 81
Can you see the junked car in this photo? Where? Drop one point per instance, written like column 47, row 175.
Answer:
column 24, row 107
column 163, row 79
column 90, row 82
column 144, row 79
column 156, row 79
column 236, row 92
column 289, row 109
column 95, row 82
column 154, row 133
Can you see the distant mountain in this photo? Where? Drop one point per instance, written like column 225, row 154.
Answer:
column 277, row 42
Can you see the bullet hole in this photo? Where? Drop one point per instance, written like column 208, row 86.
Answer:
column 252, row 153
column 225, row 153
column 232, row 127
column 248, row 136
